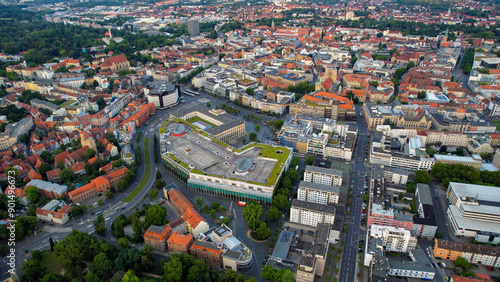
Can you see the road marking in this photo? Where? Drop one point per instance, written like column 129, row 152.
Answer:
column 234, row 213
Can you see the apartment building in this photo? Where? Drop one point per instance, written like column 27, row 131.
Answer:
column 395, row 239
column 318, row 193
column 473, row 253
column 206, row 251
column 323, row 176
column 311, row 214
column 416, row 265
column 97, row 185
column 12, row 132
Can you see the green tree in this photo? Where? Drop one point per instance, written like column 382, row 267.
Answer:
column 250, row 91
column 67, row 175
column 280, row 201
column 33, row 270
column 108, row 194
column 252, row 136
column 251, row 214
column 101, row 266
column 365, row 198
column 309, row 160
column 123, row 243
column 99, row 226
column 130, row 277
column 100, row 101
column 263, row 231
column 422, row 176
column 278, row 124
column 430, row 151
column 215, row 205
column 208, row 105
column 153, row 193
column 257, row 127
column 156, row 215
column 158, row 174
column 33, row 193
column 173, row 269
column 43, row 168
column 118, row 231
column 89, row 153
column 273, row 213
column 199, row 202
column 463, row 263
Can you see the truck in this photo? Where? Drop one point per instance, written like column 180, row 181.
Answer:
column 243, row 204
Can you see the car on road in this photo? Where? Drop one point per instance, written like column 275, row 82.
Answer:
column 434, row 265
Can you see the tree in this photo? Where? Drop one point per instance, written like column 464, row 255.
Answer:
column 99, row 202
column 121, row 184
column 158, row 174
column 47, row 156
column 152, row 194
column 422, row 176
column 252, row 136
column 365, row 198
column 380, row 34
column 278, row 124
column 421, row 95
column 123, row 243
column 263, row 231
column 250, row 91
column 118, row 231
column 173, row 269
column 159, row 183
column 430, row 151
column 101, row 266
column 280, row 201
column 208, row 105
column 215, row 205
column 24, row 138
column 156, row 215
column 89, row 153
column 309, row 160
column 273, row 213
column 43, row 168
column 257, row 127
column 78, row 210
column 33, row 193
column 100, row 101
column 99, row 226
column 251, row 214
column 108, row 194
column 199, row 202
column 463, row 263
column 32, row 268
column 67, row 175
column 31, row 210
column 130, row 277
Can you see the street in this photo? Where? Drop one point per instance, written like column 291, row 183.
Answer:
column 354, row 232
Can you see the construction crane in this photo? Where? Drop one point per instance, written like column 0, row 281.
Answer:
column 281, row 106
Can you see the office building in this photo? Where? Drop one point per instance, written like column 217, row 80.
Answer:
column 193, row 27
column 162, row 93
column 416, row 265
column 323, row 176
column 55, row 211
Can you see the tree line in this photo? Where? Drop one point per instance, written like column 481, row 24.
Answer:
column 465, row 174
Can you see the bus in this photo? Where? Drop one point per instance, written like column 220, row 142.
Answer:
column 243, row 204
column 98, row 213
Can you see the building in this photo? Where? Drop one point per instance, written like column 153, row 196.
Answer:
column 97, row 185
column 472, row 211
column 218, row 245
column 475, row 161
column 195, row 223
column 156, row 237
column 301, row 249
column 323, row 176
column 162, row 93
column 396, row 175
column 425, row 224
column 210, row 166
column 55, row 211
column 12, row 132
column 48, row 189
column 400, row 115
column 209, row 252
column 114, row 63
column 215, row 122
column 41, row 104
column 193, row 27
column 311, row 214
column 318, row 193
column 416, row 265
column 473, row 253
column 139, row 118
column 178, row 243
column 395, row 239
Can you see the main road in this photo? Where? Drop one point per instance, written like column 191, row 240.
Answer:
column 354, row 232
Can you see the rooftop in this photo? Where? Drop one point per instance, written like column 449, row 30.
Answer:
column 313, row 206
column 48, row 186
column 320, row 187
column 323, row 170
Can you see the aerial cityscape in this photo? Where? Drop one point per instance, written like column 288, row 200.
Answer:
column 249, row 141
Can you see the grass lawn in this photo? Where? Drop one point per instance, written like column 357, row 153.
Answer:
column 67, row 103
column 50, row 263
column 498, row 124
column 147, row 173
column 270, row 152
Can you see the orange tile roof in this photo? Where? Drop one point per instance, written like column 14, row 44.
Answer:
column 179, row 200
column 100, row 181
column 181, row 240
column 192, row 217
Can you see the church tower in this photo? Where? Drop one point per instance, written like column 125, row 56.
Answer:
column 318, row 86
